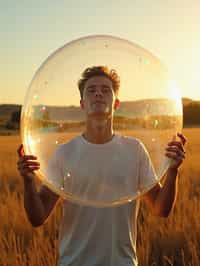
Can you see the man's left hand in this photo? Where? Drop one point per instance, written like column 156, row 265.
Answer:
column 175, row 150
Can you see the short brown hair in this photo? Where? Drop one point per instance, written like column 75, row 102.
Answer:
column 99, row 71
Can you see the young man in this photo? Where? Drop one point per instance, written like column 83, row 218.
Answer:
column 92, row 236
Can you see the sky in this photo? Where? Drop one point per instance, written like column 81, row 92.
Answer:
column 32, row 30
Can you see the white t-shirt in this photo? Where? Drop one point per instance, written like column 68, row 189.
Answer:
column 91, row 236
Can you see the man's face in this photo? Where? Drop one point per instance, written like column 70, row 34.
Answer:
column 98, row 97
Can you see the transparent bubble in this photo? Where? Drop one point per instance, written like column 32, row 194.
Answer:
column 52, row 123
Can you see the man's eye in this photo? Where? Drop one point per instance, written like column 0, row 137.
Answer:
column 91, row 90
column 106, row 90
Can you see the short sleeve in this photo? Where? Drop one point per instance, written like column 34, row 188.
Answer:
column 54, row 173
column 147, row 174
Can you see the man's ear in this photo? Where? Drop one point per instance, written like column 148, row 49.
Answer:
column 82, row 104
column 117, row 104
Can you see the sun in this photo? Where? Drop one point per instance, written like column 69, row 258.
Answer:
column 175, row 95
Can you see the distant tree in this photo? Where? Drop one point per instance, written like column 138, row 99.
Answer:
column 14, row 121
column 15, row 117
column 191, row 114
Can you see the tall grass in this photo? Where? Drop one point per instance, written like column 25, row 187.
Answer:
column 161, row 241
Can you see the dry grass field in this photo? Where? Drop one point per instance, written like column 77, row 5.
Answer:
column 161, row 241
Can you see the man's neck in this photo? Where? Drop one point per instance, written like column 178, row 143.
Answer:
column 98, row 132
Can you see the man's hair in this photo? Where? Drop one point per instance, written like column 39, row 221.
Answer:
column 99, row 71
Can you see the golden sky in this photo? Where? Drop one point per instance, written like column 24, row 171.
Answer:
column 32, row 30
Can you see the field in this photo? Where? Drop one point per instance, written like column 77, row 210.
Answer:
column 161, row 241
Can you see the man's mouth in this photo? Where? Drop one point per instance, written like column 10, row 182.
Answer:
column 99, row 102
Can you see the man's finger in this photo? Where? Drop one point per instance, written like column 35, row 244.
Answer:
column 32, row 163
column 26, row 158
column 174, row 156
column 176, row 144
column 182, row 137
column 175, row 149
column 20, row 151
column 29, row 157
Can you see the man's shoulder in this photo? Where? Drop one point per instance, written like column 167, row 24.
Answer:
column 129, row 139
column 67, row 146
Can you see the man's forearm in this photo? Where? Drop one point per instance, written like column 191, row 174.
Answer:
column 167, row 194
column 32, row 203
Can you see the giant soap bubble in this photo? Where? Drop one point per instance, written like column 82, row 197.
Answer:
column 52, row 122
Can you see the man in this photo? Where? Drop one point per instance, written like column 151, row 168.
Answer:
column 92, row 236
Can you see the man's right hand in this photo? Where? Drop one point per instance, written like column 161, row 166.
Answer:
column 38, row 205
column 26, row 164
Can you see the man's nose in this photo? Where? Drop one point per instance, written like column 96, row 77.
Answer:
column 98, row 92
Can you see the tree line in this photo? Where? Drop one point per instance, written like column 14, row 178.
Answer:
column 191, row 116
